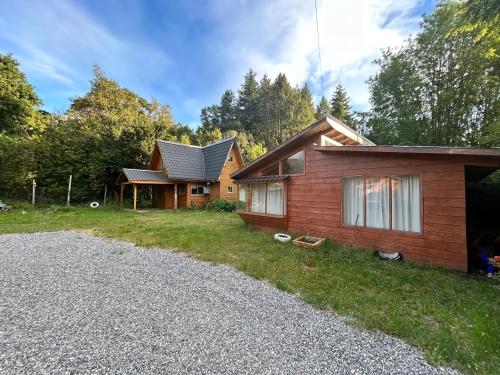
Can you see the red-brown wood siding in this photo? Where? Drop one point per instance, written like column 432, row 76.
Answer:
column 267, row 223
column 314, row 203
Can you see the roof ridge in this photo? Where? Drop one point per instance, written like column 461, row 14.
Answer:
column 202, row 147
column 219, row 142
column 138, row 169
column 178, row 143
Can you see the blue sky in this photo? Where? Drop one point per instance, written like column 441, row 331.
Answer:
column 186, row 53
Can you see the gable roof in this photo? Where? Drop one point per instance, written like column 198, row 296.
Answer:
column 327, row 125
column 193, row 162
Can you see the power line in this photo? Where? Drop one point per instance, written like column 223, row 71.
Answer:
column 319, row 50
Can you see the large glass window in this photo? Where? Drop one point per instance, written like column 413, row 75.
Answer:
column 265, row 198
column 258, row 198
column 367, row 202
column 406, row 203
column 377, row 202
column 275, row 199
column 294, row 164
column 272, row 170
column 353, row 193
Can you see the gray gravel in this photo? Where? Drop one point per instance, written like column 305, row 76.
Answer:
column 73, row 303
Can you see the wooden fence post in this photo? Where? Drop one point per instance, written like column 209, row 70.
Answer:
column 69, row 189
column 135, row 196
column 121, row 195
column 33, row 189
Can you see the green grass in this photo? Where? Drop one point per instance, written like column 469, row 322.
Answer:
column 453, row 317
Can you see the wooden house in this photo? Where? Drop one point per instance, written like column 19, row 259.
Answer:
column 186, row 176
column 330, row 181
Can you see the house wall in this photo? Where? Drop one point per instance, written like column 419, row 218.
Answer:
column 156, row 163
column 214, row 191
column 195, row 200
column 225, row 179
column 314, row 203
column 182, row 199
column 163, row 196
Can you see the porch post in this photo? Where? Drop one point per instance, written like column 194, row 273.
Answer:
column 135, row 196
column 121, row 195
column 175, row 196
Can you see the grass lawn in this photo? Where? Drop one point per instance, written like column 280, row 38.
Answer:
column 453, row 317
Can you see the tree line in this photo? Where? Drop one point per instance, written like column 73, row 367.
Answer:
column 440, row 88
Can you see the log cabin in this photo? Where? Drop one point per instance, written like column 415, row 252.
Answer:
column 329, row 181
column 186, row 176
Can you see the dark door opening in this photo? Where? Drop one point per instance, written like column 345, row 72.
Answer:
column 482, row 190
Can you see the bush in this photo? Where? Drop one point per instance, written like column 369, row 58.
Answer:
column 221, row 205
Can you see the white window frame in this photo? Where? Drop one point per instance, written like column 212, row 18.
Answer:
column 390, row 177
column 250, row 191
column 229, row 189
column 230, row 158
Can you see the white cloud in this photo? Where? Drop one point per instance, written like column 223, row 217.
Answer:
column 58, row 40
column 281, row 37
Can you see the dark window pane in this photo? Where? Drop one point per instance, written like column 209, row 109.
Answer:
column 294, row 164
column 273, row 170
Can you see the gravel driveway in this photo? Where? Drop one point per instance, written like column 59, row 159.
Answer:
column 73, row 303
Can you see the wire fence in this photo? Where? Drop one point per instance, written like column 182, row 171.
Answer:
column 33, row 195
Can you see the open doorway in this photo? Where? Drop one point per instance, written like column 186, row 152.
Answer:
column 482, row 215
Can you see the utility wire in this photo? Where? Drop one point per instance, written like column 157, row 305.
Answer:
column 319, row 50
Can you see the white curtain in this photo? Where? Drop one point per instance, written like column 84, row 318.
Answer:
column 242, row 204
column 377, row 202
column 353, row 200
column 258, row 198
column 275, row 199
column 406, row 203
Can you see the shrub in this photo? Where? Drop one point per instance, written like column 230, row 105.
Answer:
column 221, row 205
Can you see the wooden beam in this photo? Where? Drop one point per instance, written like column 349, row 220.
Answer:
column 175, row 196
column 135, row 196
column 122, row 186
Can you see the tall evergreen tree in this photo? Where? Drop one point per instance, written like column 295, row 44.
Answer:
column 341, row 105
column 210, row 117
column 228, row 112
column 323, row 108
column 248, row 96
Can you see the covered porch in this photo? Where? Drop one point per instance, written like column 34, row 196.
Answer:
column 164, row 193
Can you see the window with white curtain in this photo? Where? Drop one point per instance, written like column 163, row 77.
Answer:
column 258, row 198
column 406, row 203
column 377, row 202
column 370, row 199
column 242, row 202
column 353, row 207
column 275, row 199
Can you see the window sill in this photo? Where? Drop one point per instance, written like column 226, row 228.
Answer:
column 261, row 214
column 385, row 231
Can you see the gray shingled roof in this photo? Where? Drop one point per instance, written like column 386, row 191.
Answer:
column 215, row 156
column 257, row 179
column 144, row 175
column 193, row 162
